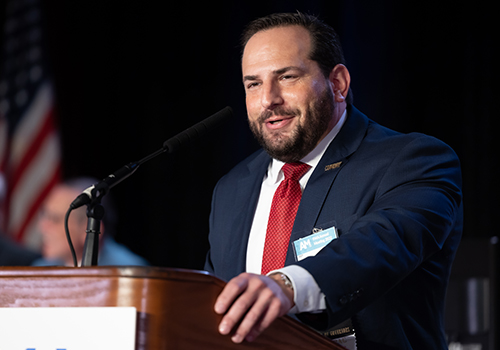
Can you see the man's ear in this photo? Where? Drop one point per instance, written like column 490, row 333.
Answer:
column 340, row 80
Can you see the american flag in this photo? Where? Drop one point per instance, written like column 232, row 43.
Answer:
column 29, row 142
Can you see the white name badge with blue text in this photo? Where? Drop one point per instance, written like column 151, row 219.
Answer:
column 311, row 245
column 68, row 328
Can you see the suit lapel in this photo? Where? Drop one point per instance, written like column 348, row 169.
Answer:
column 248, row 190
column 318, row 188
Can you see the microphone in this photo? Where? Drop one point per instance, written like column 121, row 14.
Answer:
column 171, row 145
column 197, row 130
column 83, row 198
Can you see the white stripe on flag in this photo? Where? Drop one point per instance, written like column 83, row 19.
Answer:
column 30, row 124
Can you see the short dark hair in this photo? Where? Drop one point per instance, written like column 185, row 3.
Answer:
column 326, row 48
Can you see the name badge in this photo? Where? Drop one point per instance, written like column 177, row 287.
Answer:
column 311, row 245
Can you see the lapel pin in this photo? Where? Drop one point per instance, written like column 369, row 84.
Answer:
column 333, row 166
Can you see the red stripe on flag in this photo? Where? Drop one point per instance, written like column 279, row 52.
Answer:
column 47, row 128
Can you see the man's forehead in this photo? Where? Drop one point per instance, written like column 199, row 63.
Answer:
column 274, row 40
column 61, row 196
column 276, row 48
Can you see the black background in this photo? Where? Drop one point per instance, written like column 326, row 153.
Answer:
column 130, row 75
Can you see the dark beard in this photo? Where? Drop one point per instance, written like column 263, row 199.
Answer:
column 303, row 139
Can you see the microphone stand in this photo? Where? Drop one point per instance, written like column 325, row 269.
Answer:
column 95, row 210
column 95, row 213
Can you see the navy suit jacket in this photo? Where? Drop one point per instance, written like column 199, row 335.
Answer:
column 395, row 200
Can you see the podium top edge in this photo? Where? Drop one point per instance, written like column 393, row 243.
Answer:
column 108, row 271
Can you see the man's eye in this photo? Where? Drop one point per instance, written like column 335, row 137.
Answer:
column 252, row 85
column 288, row 77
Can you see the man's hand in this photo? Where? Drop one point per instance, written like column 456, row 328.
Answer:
column 255, row 301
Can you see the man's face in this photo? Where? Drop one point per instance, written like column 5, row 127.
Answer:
column 51, row 225
column 289, row 101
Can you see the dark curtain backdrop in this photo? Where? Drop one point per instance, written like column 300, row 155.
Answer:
column 130, row 75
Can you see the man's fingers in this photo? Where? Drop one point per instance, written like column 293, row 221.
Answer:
column 230, row 292
column 250, row 303
column 234, row 300
column 265, row 309
column 237, row 312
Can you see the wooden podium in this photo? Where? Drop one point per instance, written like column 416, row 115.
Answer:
column 174, row 307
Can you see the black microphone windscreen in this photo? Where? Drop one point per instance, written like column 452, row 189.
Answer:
column 197, row 130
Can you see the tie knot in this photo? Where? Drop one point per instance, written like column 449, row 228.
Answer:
column 294, row 171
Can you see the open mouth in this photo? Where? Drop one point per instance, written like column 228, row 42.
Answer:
column 278, row 122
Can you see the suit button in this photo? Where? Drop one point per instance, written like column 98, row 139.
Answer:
column 357, row 294
column 344, row 300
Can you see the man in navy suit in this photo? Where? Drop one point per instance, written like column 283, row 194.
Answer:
column 389, row 204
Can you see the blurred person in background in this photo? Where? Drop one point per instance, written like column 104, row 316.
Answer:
column 12, row 253
column 55, row 247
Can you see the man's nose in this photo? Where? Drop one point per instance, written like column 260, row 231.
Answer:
column 271, row 96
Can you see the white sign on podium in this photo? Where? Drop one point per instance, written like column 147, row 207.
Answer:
column 67, row 328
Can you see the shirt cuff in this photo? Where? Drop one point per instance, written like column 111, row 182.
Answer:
column 307, row 295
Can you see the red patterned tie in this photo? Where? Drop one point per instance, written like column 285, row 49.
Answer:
column 283, row 209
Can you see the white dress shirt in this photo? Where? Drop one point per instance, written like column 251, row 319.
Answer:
column 307, row 295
